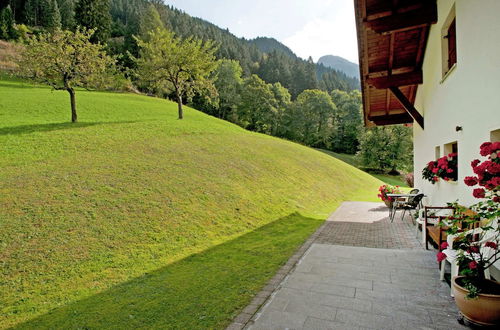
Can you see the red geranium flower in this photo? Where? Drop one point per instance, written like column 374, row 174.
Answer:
column 478, row 193
column 470, row 181
column 496, row 199
column 475, row 162
column 492, row 245
column 440, row 256
column 472, row 265
column 435, row 170
column 485, row 149
column 444, row 245
column 495, row 146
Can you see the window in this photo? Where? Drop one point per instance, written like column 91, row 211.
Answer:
column 449, row 43
column 437, row 152
column 452, row 45
column 495, row 136
column 452, row 148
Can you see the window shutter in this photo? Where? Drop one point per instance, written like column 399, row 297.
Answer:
column 452, row 45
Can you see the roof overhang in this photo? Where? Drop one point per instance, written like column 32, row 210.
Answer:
column 392, row 36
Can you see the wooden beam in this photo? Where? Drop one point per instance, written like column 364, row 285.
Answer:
column 402, row 118
column 403, row 79
column 408, row 106
column 404, row 21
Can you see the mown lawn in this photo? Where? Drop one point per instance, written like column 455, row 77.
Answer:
column 132, row 218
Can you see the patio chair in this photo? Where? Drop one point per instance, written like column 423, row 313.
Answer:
column 412, row 204
column 400, row 202
column 452, row 254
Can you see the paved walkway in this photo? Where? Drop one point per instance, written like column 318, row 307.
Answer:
column 360, row 272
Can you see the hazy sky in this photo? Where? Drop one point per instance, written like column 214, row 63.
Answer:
column 309, row 27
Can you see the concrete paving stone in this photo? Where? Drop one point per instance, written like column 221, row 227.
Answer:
column 406, row 288
column 277, row 304
column 325, row 299
column 365, row 319
column 360, row 273
column 303, row 267
column 313, row 323
column 333, row 279
column 335, row 290
column 380, row 296
column 294, row 283
column 348, row 281
column 402, row 314
column 443, row 316
column 314, row 310
column 280, row 320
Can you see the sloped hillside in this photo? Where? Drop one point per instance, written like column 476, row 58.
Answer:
column 133, row 218
column 340, row 64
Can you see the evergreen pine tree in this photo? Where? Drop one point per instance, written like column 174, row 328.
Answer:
column 7, row 30
column 67, row 11
column 94, row 14
column 50, row 14
column 31, row 12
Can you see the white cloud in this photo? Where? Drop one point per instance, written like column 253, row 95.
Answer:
column 326, row 36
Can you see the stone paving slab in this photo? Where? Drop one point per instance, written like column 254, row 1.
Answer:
column 358, row 271
column 353, row 298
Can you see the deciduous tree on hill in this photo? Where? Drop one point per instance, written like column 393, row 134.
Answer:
column 228, row 83
column 387, row 148
column 167, row 64
column 65, row 60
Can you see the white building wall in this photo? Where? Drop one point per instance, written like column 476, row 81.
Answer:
column 468, row 97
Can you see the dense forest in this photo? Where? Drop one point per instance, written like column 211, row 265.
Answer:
column 259, row 84
column 268, row 58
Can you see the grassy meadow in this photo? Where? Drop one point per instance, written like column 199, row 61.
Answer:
column 132, row 218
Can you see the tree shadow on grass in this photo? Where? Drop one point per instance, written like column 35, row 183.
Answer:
column 27, row 129
column 203, row 291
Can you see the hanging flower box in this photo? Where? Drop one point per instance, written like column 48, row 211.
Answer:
column 445, row 168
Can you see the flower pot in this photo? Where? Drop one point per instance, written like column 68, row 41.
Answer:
column 388, row 203
column 483, row 310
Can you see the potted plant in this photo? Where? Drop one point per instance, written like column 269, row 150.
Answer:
column 444, row 168
column 388, row 189
column 477, row 297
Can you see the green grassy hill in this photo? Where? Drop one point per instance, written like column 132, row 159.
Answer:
column 132, row 218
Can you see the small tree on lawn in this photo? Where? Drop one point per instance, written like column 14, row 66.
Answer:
column 65, row 60
column 167, row 64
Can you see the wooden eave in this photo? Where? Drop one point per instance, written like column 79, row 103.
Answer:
column 392, row 36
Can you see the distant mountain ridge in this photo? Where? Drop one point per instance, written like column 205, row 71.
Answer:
column 340, row 64
column 268, row 45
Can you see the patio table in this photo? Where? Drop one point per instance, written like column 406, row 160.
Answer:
column 393, row 208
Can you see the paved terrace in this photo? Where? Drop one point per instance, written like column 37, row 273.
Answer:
column 358, row 271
